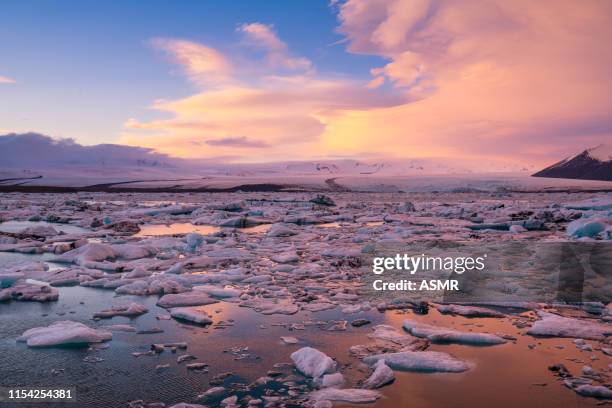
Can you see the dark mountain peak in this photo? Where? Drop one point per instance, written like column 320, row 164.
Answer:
column 592, row 164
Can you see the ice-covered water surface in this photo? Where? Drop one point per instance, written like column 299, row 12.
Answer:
column 16, row 226
column 108, row 375
column 294, row 285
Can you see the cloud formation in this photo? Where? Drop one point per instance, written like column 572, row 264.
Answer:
column 510, row 80
column 264, row 37
column 202, row 64
column 282, row 104
column 236, row 141
column 34, row 150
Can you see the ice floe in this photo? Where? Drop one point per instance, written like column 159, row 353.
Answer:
column 64, row 333
column 421, row 361
column 437, row 334
column 191, row 314
column 553, row 325
column 312, row 362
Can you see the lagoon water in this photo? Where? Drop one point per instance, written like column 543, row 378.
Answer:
column 504, row 375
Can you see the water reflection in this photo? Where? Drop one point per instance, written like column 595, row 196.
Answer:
column 182, row 228
column 505, row 374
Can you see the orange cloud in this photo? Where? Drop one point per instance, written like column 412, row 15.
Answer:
column 521, row 81
column 203, row 65
column 245, row 111
column 263, row 36
column 286, row 114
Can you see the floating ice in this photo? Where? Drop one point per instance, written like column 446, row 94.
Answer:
column 596, row 391
column 63, row 333
column 421, row 361
column 350, row 395
column 280, row 230
column 437, row 334
column 218, row 292
column 468, row 311
column 133, row 309
column 382, row 375
column 335, row 380
column 312, row 362
column 558, row 326
column 586, row 227
column 39, row 231
column 29, row 291
column 193, row 298
column 597, row 204
column 268, row 307
column 191, row 314
column 289, row 340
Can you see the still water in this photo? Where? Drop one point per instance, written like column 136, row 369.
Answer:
column 504, row 375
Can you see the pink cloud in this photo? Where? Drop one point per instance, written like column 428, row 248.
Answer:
column 264, row 36
column 237, row 141
column 486, row 74
column 203, row 65
column 6, row 80
column 518, row 81
column 269, row 104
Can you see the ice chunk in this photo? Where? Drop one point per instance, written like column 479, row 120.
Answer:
column 234, row 222
column 597, row 204
column 218, row 292
column 120, row 328
column 133, row 309
column 138, row 287
column 30, row 291
column 194, row 240
column 468, row 311
column 289, row 340
column 335, row 380
column 42, row 231
column 280, row 230
column 586, row 227
column 596, row 391
column 312, row 362
column 382, row 375
column 9, row 278
column 350, row 395
column 268, row 307
column 211, row 394
column 421, row 361
column 321, row 199
column 95, row 252
column 558, row 326
column 517, row 228
column 443, row 335
column 285, row 257
column 391, row 334
column 191, row 314
column 193, row 298
column 62, row 333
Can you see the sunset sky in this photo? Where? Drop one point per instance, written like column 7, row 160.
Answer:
column 527, row 81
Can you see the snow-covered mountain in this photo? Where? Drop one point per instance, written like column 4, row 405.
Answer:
column 591, row 164
column 398, row 167
column 33, row 158
column 351, row 167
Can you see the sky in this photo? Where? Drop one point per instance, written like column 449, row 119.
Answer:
column 257, row 81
